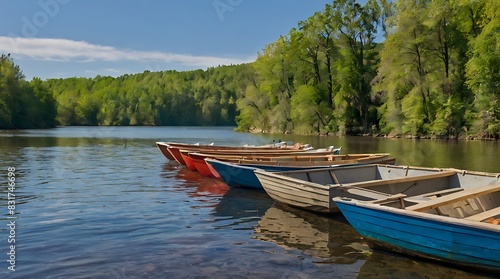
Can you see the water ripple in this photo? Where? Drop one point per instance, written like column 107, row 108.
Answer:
column 104, row 203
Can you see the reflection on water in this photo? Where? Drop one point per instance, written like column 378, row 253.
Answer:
column 383, row 265
column 240, row 208
column 329, row 239
column 103, row 202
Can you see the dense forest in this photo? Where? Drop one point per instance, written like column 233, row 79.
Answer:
column 198, row 97
column 436, row 73
column 426, row 68
column 24, row 104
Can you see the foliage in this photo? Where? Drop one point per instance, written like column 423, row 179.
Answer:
column 152, row 98
column 436, row 74
column 421, row 76
column 317, row 79
column 23, row 104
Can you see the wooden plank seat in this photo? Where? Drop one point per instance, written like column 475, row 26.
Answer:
column 375, row 195
column 455, row 197
column 484, row 215
column 372, row 183
column 432, row 195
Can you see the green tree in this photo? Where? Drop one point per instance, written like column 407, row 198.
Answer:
column 357, row 28
column 45, row 107
column 405, row 72
column 23, row 104
column 483, row 67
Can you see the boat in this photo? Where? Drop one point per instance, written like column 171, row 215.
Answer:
column 246, row 151
column 242, row 175
column 314, row 189
column 164, row 150
column 195, row 160
column 164, row 147
column 461, row 228
column 305, row 160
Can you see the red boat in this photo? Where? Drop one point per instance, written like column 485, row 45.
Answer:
column 168, row 149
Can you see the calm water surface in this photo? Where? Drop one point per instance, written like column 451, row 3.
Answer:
column 103, row 202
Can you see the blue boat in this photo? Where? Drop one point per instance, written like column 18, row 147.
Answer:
column 460, row 228
column 242, row 175
column 236, row 175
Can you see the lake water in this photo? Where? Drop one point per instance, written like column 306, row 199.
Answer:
column 103, row 202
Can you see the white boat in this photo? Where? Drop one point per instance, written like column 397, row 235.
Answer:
column 314, row 189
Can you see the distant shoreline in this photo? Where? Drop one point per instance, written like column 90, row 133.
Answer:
column 235, row 128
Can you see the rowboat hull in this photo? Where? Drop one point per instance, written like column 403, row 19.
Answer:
column 188, row 161
column 242, row 175
column 235, row 176
column 303, row 163
column 164, row 150
column 171, row 149
column 452, row 240
column 200, row 165
column 176, row 153
column 314, row 189
column 301, row 159
column 264, row 154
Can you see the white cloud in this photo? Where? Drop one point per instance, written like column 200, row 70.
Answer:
column 107, row 70
column 48, row 49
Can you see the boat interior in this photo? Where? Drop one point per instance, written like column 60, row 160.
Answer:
column 445, row 192
column 479, row 204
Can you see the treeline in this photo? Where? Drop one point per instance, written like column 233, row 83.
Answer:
column 23, row 104
column 201, row 97
column 436, row 74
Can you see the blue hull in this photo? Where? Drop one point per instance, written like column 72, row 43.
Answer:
column 236, row 175
column 450, row 241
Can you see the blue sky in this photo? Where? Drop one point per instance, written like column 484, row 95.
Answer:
column 66, row 38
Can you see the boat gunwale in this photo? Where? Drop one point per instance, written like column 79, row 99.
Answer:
column 420, row 215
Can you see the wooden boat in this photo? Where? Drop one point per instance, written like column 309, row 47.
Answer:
column 460, row 228
column 164, row 147
column 164, row 150
column 242, row 175
column 242, row 151
column 324, row 161
column 199, row 163
column 188, row 162
column 314, row 189
column 195, row 160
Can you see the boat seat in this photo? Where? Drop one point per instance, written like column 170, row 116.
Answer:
column 406, row 179
column 454, row 197
column 368, row 193
column 484, row 215
column 376, row 197
column 432, row 195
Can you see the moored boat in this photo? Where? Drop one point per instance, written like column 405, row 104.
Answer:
column 176, row 152
column 461, row 228
column 200, row 164
column 164, row 150
column 165, row 146
column 314, row 189
column 195, row 160
column 242, row 175
column 188, row 162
